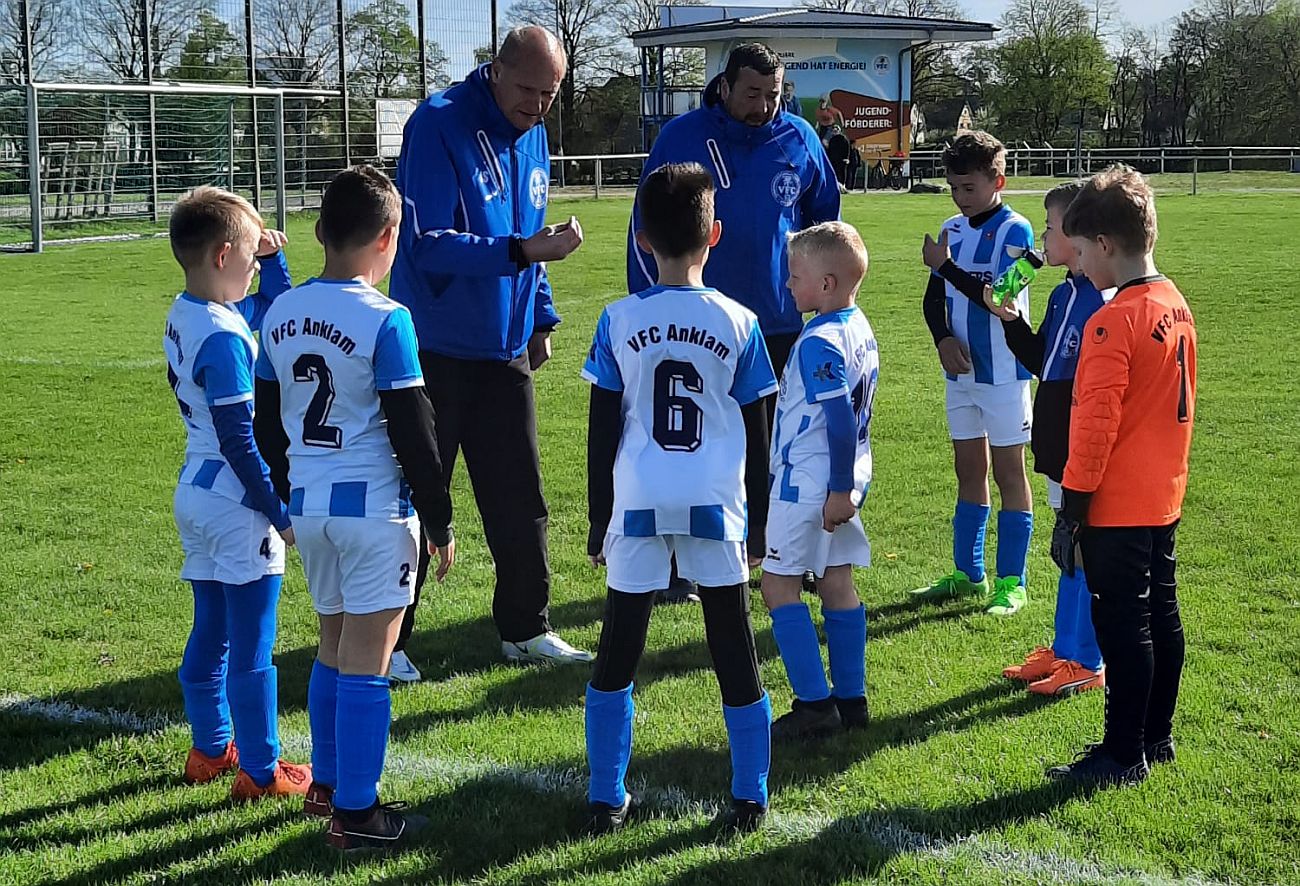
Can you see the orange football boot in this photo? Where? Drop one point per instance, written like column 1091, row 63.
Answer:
column 1068, row 678
column 290, row 779
column 201, row 769
column 1038, row 664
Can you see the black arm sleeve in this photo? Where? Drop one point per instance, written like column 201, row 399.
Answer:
column 268, row 431
column 966, row 283
column 756, row 474
column 935, row 308
column 604, row 429
column 414, row 437
column 1027, row 346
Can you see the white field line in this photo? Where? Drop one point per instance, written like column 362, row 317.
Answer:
column 144, row 363
column 667, row 801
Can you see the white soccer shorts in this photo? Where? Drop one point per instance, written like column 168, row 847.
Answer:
column 223, row 540
column 639, row 564
column 1003, row 413
column 797, row 543
column 358, row 565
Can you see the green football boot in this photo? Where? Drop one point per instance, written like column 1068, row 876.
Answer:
column 1009, row 596
column 951, row 586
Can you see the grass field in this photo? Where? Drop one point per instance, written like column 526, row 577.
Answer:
column 946, row 786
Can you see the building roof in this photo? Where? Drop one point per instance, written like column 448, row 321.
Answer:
column 696, row 25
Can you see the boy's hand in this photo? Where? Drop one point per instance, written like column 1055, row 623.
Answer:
column 838, row 510
column 446, row 555
column 1006, row 311
column 954, row 357
column 270, row 243
column 754, row 562
column 597, row 561
column 554, row 242
column 286, row 535
column 934, row 254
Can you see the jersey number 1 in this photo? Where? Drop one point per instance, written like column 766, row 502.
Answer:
column 1184, row 415
column 315, row 432
column 678, row 419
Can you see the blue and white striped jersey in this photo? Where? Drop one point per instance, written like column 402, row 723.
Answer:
column 685, row 359
column 210, row 352
column 835, row 355
column 333, row 345
column 986, row 252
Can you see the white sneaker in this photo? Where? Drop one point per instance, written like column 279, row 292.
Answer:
column 400, row 669
column 545, row 648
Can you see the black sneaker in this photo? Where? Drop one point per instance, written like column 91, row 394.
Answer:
column 319, row 801
column 1160, row 752
column 679, row 590
column 807, row 720
column 744, row 816
column 603, row 818
column 810, row 583
column 853, row 712
column 383, row 826
column 1095, row 765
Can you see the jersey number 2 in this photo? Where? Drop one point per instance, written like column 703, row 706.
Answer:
column 315, row 432
column 678, row 419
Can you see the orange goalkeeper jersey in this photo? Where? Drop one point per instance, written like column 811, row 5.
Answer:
column 1134, row 403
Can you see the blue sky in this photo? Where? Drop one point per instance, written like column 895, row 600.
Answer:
column 1143, row 14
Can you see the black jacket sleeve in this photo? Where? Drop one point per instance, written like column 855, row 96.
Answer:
column 1027, row 346
column 757, row 482
column 268, row 431
column 604, row 429
column 414, row 437
column 935, row 308
column 965, row 282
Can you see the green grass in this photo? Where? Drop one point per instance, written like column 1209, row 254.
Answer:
column 946, row 786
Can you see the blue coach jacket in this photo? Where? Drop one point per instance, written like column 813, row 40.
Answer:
column 770, row 180
column 469, row 182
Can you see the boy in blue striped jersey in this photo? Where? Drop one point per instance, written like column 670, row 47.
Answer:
column 988, row 402
column 233, row 527
column 820, row 472
column 1073, row 662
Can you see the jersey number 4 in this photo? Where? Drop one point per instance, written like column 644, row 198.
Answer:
column 315, row 431
column 678, row 419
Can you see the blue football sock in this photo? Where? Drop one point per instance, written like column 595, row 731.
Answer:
column 250, row 624
column 1065, row 643
column 796, row 637
column 202, row 672
column 749, row 731
column 609, row 743
column 969, row 521
column 1088, row 654
column 322, row 714
column 253, row 708
column 361, row 736
column 846, row 641
column 1015, row 528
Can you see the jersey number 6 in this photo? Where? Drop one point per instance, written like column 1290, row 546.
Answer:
column 312, row 367
column 678, row 419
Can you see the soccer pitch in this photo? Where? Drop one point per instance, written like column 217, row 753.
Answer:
column 947, row 784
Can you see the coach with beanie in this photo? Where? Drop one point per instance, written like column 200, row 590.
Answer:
column 474, row 172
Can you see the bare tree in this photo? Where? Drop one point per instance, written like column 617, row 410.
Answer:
column 114, row 33
column 45, row 19
column 296, row 41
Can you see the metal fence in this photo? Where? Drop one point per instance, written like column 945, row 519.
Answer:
column 110, row 109
column 1172, row 169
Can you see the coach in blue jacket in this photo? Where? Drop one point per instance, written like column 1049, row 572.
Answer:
column 772, row 177
column 474, row 173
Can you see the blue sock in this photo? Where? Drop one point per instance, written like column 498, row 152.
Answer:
column 609, row 743
column 202, row 672
column 254, row 709
column 250, row 624
column 1088, row 654
column 322, row 714
column 1015, row 528
column 365, row 710
column 846, row 641
column 1065, row 643
column 749, row 731
column 796, row 637
column 969, row 521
